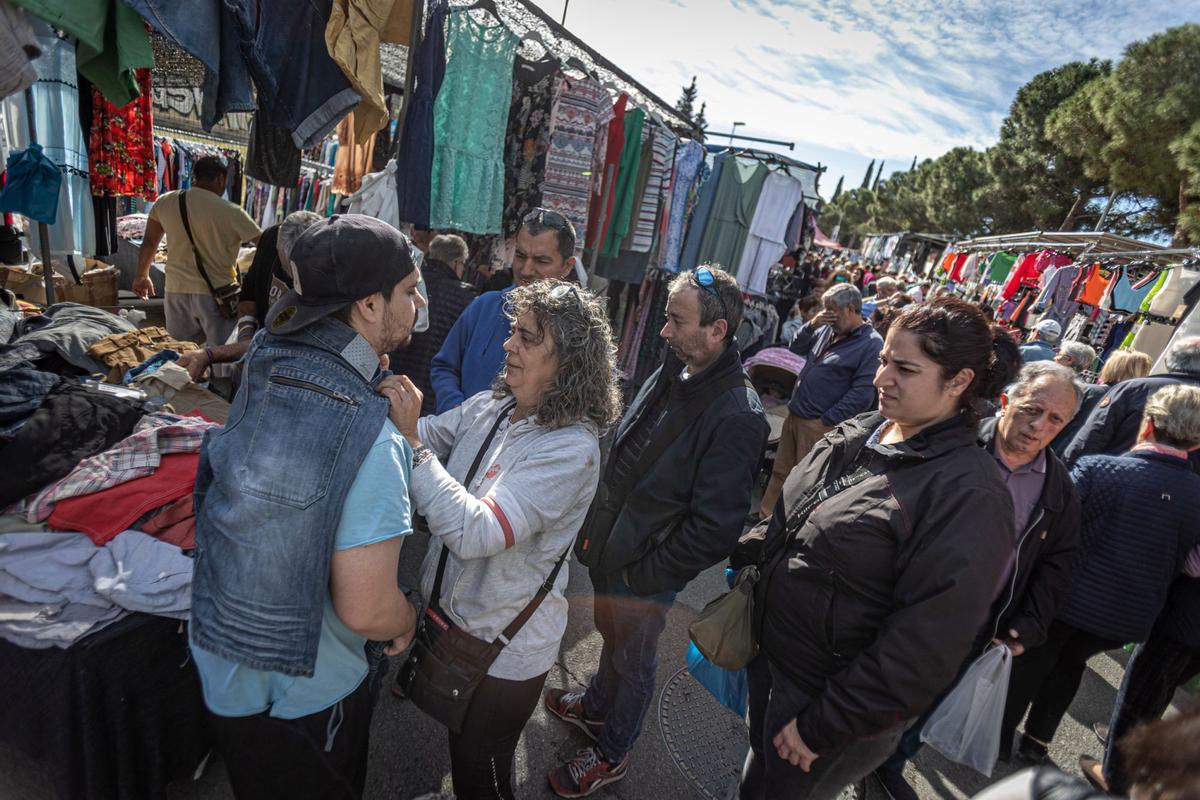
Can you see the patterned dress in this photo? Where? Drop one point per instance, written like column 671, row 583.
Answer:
column 528, row 138
column 582, row 109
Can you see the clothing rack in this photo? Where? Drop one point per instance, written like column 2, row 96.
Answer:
column 213, row 139
column 324, row 169
column 530, row 19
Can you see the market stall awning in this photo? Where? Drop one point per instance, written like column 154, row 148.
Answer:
column 821, row 240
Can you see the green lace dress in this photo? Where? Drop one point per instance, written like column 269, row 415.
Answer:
column 469, row 124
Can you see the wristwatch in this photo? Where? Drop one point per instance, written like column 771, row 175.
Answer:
column 421, row 455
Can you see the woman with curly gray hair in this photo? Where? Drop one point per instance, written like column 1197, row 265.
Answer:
column 505, row 481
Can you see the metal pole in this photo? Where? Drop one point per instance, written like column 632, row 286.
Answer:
column 1107, row 208
column 566, row 5
column 43, row 228
column 788, row 145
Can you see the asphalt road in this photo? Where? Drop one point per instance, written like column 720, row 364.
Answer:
column 409, row 757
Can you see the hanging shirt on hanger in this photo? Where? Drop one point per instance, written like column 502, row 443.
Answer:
column 688, row 159
column 607, row 173
column 765, row 243
column 733, row 210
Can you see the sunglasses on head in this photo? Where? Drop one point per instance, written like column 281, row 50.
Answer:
column 546, row 218
column 564, row 289
column 707, row 281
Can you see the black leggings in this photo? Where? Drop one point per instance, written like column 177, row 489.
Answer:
column 481, row 757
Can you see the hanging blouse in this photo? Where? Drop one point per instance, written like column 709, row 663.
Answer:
column 732, row 211
column 625, row 193
column 999, row 266
column 1123, row 296
column 528, row 138
column 1094, row 285
column 469, row 116
column 662, row 154
column 581, row 108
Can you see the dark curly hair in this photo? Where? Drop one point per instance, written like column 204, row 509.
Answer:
column 585, row 386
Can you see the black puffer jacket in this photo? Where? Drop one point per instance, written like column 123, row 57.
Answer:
column 1046, row 553
column 686, row 512
column 873, row 607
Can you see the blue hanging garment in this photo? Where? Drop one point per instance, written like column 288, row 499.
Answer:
column 32, row 186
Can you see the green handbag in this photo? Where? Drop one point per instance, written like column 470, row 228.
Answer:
column 724, row 630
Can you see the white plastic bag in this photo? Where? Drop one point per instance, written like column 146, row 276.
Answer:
column 965, row 728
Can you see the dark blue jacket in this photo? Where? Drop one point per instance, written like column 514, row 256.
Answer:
column 473, row 353
column 835, row 383
column 1141, row 516
column 1112, row 427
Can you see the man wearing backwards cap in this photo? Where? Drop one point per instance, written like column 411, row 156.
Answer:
column 301, row 507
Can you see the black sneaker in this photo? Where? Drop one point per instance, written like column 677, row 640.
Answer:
column 894, row 785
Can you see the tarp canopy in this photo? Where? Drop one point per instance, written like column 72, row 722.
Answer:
column 821, row 240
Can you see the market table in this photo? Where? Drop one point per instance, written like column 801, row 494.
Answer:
column 119, row 714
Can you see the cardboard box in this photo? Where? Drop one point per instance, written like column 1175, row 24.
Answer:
column 28, row 285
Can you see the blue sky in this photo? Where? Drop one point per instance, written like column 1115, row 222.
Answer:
column 852, row 80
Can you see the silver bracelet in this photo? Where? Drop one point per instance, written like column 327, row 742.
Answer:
column 421, row 455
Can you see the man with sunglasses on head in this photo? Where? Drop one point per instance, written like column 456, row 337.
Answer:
column 473, row 353
column 834, row 385
column 674, row 490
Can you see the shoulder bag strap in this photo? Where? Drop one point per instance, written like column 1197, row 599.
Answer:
column 547, row 586
column 195, row 251
column 483, row 448
column 675, row 425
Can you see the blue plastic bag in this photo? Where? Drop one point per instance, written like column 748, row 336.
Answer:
column 32, row 186
column 728, row 687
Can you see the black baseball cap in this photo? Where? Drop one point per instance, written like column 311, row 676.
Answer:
column 337, row 261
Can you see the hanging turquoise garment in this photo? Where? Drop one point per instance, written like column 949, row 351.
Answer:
column 470, row 118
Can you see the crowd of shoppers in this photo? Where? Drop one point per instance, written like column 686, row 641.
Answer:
column 938, row 489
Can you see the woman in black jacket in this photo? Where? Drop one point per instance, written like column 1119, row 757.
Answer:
column 866, row 612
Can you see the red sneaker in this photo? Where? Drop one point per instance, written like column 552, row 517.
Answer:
column 585, row 773
column 568, row 706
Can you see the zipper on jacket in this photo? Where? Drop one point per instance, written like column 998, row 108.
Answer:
column 283, row 380
column 1012, row 587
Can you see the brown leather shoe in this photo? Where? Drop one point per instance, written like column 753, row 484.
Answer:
column 1093, row 770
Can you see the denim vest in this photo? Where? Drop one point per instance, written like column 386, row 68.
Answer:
column 269, row 494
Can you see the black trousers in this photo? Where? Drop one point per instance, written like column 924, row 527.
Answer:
column 1158, row 667
column 774, row 702
column 323, row 755
column 1048, row 677
column 481, row 757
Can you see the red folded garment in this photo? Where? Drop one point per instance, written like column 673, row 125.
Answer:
column 176, row 524
column 106, row 513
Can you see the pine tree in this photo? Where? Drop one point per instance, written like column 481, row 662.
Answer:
column 837, row 191
column 700, row 121
column 866, row 184
column 686, row 104
column 878, row 173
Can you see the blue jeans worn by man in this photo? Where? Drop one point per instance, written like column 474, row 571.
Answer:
column 623, row 686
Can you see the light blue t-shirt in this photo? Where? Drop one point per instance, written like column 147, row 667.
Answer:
column 376, row 509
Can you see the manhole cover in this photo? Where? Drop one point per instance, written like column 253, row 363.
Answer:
column 707, row 741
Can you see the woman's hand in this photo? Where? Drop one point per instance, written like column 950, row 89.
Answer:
column 405, row 399
column 792, row 748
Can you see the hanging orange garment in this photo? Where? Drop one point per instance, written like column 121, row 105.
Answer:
column 353, row 159
column 1096, row 285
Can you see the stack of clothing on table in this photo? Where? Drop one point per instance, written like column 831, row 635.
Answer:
column 111, row 536
column 96, row 473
